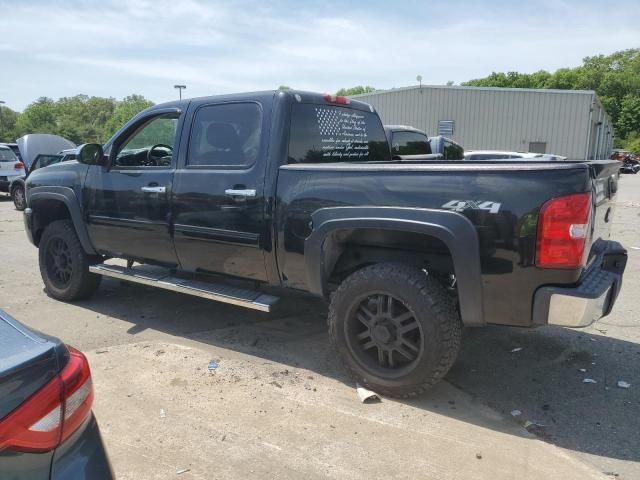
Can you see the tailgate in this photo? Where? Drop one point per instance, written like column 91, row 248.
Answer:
column 27, row 362
column 605, row 174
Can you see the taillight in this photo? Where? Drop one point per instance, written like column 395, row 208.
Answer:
column 563, row 228
column 53, row 413
column 18, row 166
column 339, row 99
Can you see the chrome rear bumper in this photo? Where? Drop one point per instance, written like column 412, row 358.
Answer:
column 591, row 299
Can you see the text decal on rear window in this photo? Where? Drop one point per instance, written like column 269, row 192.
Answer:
column 330, row 134
column 344, row 133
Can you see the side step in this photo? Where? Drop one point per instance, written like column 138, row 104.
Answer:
column 161, row 278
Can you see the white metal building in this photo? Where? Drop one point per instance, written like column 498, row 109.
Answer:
column 571, row 123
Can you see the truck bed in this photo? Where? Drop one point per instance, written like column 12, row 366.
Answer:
column 496, row 197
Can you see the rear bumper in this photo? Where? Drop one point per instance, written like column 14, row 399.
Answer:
column 591, row 299
column 82, row 456
column 5, row 182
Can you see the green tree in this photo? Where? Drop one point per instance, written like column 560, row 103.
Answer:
column 628, row 122
column 38, row 117
column 124, row 111
column 355, row 90
column 633, row 144
column 8, row 119
column 81, row 119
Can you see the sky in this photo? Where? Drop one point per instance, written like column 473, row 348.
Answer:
column 114, row 48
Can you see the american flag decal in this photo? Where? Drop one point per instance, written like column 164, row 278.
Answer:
column 343, row 133
column 328, row 121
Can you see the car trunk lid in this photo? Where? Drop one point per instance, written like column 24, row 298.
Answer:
column 28, row 360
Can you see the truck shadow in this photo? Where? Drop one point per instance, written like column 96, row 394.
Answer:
column 537, row 372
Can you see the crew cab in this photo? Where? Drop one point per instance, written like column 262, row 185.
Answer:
column 222, row 197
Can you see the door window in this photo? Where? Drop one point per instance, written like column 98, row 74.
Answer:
column 151, row 144
column 45, row 161
column 226, row 135
column 410, row 143
column 452, row 151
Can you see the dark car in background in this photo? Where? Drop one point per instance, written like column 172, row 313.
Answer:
column 410, row 143
column 47, row 428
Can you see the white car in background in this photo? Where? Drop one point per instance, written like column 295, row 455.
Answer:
column 10, row 168
column 504, row 155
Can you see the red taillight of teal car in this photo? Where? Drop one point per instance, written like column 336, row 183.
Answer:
column 54, row 412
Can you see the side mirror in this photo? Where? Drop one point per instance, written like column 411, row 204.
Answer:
column 91, row 154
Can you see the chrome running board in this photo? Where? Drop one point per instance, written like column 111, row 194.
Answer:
column 161, row 278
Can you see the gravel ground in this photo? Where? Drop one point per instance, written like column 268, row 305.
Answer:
column 280, row 405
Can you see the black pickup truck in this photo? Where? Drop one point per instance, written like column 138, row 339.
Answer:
column 295, row 190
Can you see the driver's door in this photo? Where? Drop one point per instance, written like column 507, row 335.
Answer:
column 128, row 202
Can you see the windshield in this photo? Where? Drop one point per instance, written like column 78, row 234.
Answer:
column 7, row 155
column 327, row 133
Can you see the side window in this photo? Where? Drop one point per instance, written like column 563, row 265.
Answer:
column 452, row 151
column 44, row 161
column 225, row 135
column 410, row 143
column 150, row 145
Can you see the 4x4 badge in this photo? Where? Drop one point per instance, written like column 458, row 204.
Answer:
column 462, row 205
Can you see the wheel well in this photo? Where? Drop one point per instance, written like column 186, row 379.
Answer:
column 346, row 251
column 45, row 212
column 14, row 186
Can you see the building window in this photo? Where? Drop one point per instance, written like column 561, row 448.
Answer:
column 538, row 147
column 445, row 127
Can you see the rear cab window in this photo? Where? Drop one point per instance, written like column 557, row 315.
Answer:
column 333, row 134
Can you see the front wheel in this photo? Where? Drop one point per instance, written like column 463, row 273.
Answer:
column 18, row 197
column 64, row 265
column 397, row 330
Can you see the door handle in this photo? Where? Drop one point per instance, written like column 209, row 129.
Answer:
column 154, row 189
column 246, row 192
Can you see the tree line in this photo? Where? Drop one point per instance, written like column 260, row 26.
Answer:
column 81, row 119
column 615, row 78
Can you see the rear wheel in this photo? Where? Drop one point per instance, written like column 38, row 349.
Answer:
column 64, row 265
column 18, row 197
column 397, row 329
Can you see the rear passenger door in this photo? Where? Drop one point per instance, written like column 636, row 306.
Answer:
column 218, row 198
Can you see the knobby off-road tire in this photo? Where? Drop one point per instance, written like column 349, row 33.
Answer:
column 18, row 197
column 64, row 265
column 397, row 330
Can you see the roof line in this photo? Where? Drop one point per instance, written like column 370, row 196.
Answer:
column 460, row 87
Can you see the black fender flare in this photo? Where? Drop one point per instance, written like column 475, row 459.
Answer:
column 67, row 196
column 455, row 230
